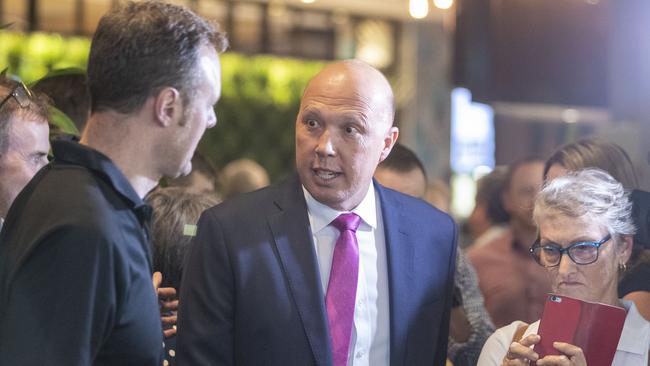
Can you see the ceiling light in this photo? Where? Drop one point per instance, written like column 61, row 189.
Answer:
column 418, row 8
column 443, row 4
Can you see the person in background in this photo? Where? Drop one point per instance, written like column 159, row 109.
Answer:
column 298, row 273
column 438, row 195
column 242, row 176
column 175, row 214
column 75, row 262
column 585, row 239
column 489, row 218
column 513, row 285
column 201, row 180
column 586, row 153
column 68, row 90
column 24, row 139
column 470, row 324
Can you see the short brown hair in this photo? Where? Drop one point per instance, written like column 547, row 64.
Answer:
column 173, row 209
column 142, row 47
column 37, row 109
column 594, row 153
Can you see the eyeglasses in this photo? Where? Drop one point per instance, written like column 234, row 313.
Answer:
column 550, row 255
column 21, row 94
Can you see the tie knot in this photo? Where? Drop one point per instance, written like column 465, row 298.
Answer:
column 347, row 221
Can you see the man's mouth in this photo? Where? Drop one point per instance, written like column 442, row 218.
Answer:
column 325, row 174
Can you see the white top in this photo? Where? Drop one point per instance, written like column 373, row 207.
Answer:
column 632, row 349
column 370, row 341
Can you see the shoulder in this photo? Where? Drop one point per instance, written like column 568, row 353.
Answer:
column 248, row 206
column 492, row 249
column 416, row 210
column 70, row 191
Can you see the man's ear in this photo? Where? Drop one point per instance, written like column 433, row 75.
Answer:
column 389, row 141
column 167, row 105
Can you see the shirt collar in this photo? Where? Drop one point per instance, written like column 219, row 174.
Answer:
column 69, row 150
column 636, row 331
column 320, row 215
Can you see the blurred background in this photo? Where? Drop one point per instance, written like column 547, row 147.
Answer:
column 479, row 83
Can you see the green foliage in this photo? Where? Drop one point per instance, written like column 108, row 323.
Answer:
column 61, row 123
column 256, row 113
column 32, row 56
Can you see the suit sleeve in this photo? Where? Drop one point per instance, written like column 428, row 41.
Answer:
column 206, row 311
column 62, row 302
column 441, row 347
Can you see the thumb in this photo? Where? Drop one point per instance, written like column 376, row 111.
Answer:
column 157, row 280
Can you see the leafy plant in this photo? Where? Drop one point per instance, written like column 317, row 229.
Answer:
column 256, row 113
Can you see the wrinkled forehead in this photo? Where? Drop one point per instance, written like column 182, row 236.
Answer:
column 551, row 221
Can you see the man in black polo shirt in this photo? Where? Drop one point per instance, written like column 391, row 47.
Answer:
column 75, row 263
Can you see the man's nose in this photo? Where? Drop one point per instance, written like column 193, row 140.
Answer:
column 212, row 119
column 325, row 145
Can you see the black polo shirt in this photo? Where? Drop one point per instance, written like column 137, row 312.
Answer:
column 75, row 268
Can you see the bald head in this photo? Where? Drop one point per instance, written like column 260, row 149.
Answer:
column 343, row 131
column 365, row 82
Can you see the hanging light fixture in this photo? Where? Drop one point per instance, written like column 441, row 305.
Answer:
column 443, row 4
column 418, row 8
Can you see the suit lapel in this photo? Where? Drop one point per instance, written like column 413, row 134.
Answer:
column 400, row 259
column 295, row 247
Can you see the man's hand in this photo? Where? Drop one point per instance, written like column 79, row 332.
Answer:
column 168, row 305
column 571, row 356
column 520, row 353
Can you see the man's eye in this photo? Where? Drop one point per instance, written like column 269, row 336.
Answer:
column 312, row 123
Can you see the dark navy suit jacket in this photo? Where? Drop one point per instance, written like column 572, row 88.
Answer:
column 251, row 291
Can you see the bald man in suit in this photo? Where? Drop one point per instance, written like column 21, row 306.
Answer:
column 262, row 284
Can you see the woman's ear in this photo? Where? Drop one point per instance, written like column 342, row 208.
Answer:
column 624, row 246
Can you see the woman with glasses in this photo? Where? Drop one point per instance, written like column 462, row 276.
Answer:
column 585, row 239
column 634, row 283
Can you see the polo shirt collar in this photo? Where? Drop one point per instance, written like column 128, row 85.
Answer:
column 636, row 331
column 322, row 215
column 68, row 149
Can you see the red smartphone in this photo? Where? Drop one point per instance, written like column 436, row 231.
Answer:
column 594, row 327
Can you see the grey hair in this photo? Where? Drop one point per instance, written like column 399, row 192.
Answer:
column 588, row 194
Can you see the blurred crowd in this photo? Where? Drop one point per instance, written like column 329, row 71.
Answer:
column 245, row 272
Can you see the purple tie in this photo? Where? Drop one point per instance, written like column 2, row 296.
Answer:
column 342, row 287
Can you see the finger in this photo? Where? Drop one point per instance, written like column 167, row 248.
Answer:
column 169, row 320
column 554, row 360
column 157, row 279
column 166, row 306
column 166, row 291
column 515, row 362
column 530, row 340
column 520, row 351
column 169, row 332
column 569, row 350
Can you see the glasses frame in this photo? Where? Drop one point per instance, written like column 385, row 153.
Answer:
column 23, row 102
column 595, row 244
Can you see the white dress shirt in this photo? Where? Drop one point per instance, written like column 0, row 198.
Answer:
column 632, row 349
column 370, row 341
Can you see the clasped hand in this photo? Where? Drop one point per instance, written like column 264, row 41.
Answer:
column 521, row 353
